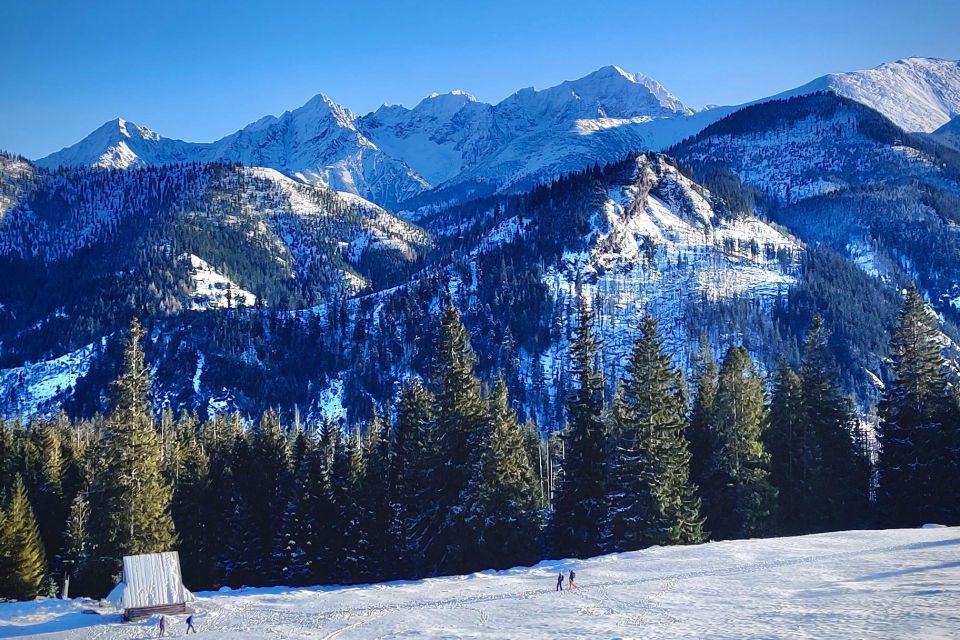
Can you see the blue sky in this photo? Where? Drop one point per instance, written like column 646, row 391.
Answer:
column 201, row 69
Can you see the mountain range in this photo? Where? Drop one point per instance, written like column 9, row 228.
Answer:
column 458, row 147
column 301, row 261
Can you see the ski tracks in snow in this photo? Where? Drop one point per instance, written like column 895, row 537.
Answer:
column 595, row 599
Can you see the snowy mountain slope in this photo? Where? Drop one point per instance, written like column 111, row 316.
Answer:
column 658, row 246
column 840, row 175
column 949, row 133
column 811, row 145
column 39, row 387
column 852, row 584
column 120, row 144
column 17, row 178
column 212, row 290
column 81, row 249
column 395, row 153
column 457, row 147
column 317, row 144
column 918, row 94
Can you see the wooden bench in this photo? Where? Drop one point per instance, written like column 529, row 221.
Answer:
column 141, row 613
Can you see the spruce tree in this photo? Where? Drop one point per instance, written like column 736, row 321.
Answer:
column 580, row 505
column 46, row 489
column 23, row 549
column 190, row 507
column 130, row 499
column 918, row 469
column 461, row 421
column 503, row 494
column 267, row 485
column 653, row 501
column 840, row 479
column 738, row 499
column 417, row 474
column 293, row 549
column 794, row 451
column 700, row 429
column 76, row 543
column 378, row 505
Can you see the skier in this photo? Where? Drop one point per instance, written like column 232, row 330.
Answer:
column 163, row 626
column 570, row 583
column 190, row 624
column 560, row 581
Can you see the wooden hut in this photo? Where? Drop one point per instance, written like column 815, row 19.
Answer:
column 151, row 585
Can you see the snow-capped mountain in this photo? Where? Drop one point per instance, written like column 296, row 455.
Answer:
column 120, row 144
column 917, row 94
column 458, row 147
column 317, row 144
column 395, row 153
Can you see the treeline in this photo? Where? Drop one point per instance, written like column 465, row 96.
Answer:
column 448, row 481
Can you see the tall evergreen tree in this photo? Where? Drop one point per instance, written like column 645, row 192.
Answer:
column 23, row 560
column 738, row 499
column 918, row 468
column 503, row 504
column 190, row 507
column 652, row 501
column 417, row 474
column 841, row 476
column 377, row 502
column 700, row 429
column 130, row 499
column 76, row 544
column 267, row 486
column 461, row 423
column 794, row 451
column 580, row 505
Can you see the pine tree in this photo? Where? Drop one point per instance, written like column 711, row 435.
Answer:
column 267, row 487
column 190, row 508
column 76, row 543
column 460, row 416
column 47, row 488
column 377, row 501
column 653, row 501
column 503, row 494
column 416, row 474
column 293, row 549
column 130, row 499
column 794, row 452
column 22, row 548
column 580, row 506
column 918, row 472
column 840, row 480
column 738, row 499
column 700, row 430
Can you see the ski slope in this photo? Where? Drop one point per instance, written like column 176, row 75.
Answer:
column 857, row 584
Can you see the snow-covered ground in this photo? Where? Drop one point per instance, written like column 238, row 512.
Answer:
column 856, row 584
column 37, row 387
column 213, row 290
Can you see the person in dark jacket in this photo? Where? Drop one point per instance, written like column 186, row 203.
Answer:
column 190, row 624
column 570, row 583
column 560, row 582
column 163, row 626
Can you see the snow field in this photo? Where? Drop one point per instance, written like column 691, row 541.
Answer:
column 854, row 584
